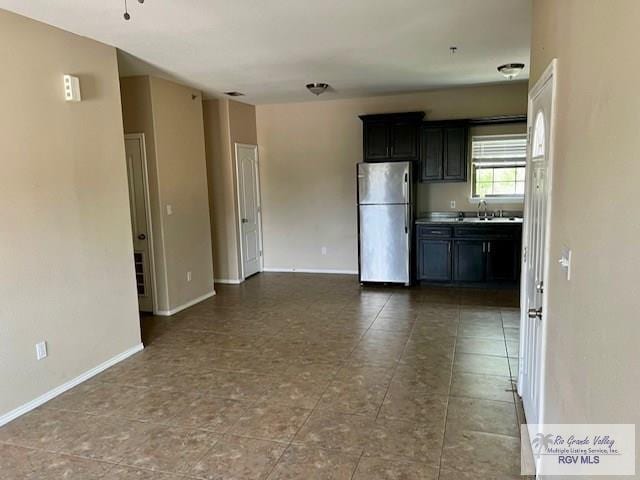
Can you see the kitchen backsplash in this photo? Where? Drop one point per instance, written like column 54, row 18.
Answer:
column 437, row 197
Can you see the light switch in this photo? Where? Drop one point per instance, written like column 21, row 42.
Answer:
column 169, row 209
column 565, row 261
column 453, row 204
column 41, row 350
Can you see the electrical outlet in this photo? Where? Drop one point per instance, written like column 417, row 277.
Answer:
column 41, row 350
column 453, row 204
column 169, row 209
column 188, row 276
column 324, row 250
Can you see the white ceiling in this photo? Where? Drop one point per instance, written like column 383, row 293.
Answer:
column 269, row 49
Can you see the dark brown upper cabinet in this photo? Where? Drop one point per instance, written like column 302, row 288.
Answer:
column 443, row 152
column 376, row 141
column 391, row 137
column 431, row 153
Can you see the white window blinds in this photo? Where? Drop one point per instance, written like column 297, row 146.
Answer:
column 499, row 150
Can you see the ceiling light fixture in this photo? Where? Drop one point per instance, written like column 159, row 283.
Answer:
column 511, row 70
column 317, row 88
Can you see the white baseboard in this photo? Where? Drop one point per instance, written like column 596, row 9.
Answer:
column 191, row 303
column 311, row 270
column 27, row 407
column 230, row 281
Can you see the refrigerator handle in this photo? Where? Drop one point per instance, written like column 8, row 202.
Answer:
column 405, row 187
column 406, row 218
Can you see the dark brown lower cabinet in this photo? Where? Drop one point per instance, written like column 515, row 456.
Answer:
column 502, row 260
column 469, row 255
column 469, row 261
column 435, row 263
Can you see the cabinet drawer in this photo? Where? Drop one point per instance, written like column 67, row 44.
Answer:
column 494, row 231
column 429, row 231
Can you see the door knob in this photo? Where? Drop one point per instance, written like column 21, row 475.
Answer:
column 540, row 287
column 244, row 220
column 142, row 236
column 535, row 313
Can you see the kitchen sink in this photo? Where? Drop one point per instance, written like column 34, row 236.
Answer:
column 491, row 220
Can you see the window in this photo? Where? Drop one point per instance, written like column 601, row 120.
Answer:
column 498, row 166
column 538, row 137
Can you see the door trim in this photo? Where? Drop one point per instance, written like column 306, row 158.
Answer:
column 549, row 75
column 147, row 204
column 239, row 209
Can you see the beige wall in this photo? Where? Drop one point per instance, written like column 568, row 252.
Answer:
column 226, row 123
column 593, row 327
column 66, row 253
column 222, row 209
column 173, row 124
column 137, row 116
column 308, row 156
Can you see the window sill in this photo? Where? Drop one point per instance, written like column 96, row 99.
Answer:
column 476, row 200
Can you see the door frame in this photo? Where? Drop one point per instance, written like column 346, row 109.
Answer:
column 549, row 75
column 239, row 206
column 147, row 200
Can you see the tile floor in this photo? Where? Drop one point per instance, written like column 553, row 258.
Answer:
column 294, row 376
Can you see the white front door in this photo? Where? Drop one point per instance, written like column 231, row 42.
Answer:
column 535, row 246
column 134, row 148
column 249, row 207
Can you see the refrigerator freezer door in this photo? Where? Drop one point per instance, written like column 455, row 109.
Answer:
column 384, row 243
column 380, row 183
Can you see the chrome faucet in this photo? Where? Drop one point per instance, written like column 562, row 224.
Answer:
column 482, row 204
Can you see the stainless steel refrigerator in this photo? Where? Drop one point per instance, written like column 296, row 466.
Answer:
column 384, row 222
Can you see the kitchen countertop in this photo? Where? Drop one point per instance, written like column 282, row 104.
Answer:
column 469, row 220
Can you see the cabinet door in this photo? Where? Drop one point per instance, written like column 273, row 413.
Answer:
column 376, row 141
column 431, row 153
column 404, row 140
column 469, row 261
column 502, row 260
column 434, row 259
column 455, row 154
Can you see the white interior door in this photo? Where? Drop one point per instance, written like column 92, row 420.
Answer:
column 138, row 198
column 249, row 207
column 535, row 247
